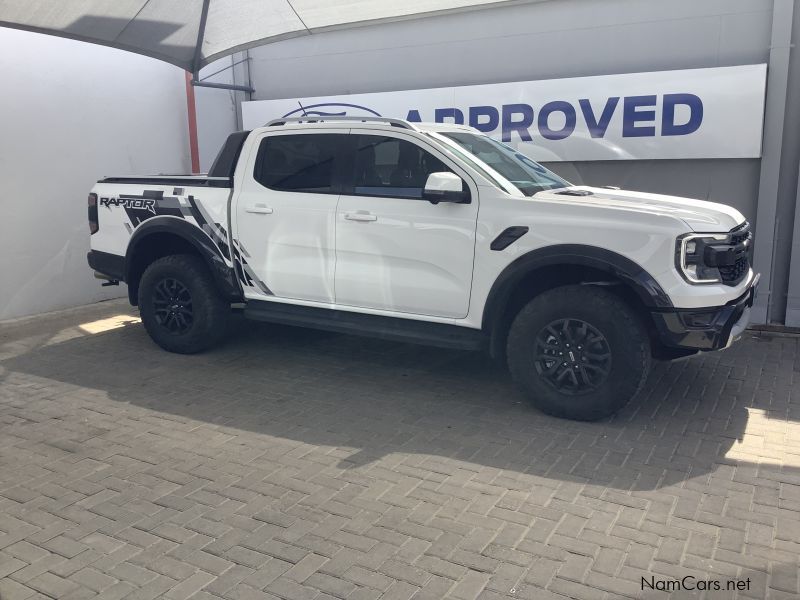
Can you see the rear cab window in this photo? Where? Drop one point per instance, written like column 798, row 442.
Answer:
column 299, row 163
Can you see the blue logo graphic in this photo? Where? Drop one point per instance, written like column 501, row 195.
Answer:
column 332, row 109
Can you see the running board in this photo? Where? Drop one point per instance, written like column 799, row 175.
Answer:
column 385, row 328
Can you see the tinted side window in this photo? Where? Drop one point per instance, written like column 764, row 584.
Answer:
column 298, row 163
column 387, row 166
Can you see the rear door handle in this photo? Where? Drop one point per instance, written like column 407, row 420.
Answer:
column 360, row 216
column 259, row 209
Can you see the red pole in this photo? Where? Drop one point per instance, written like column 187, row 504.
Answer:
column 191, row 109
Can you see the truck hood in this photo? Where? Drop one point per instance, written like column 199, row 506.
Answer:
column 699, row 215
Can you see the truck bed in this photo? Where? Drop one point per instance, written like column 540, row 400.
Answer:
column 220, row 175
column 176, row 180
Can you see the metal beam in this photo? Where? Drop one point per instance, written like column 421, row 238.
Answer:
column 222, row 86
column 793, row 294
column 230, row 66
column 201, row 34
column 775, row 112
column 241, row 71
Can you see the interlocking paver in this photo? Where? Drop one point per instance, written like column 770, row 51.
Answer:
column 10, row 564
column 93, row 579
column 52, row 585
column 189, row 586
column 299, row 464
column 291, row 590
column 11, row 590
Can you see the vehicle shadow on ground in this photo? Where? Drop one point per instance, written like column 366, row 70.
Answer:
column 378, row 397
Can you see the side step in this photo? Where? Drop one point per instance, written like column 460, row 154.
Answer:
column 386, row 328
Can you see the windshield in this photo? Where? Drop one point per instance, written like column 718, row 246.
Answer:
column 527, row 176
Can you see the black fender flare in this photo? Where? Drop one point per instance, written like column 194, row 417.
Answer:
column 224, row 274
column 640, row 281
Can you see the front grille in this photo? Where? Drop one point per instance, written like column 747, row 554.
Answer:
column 733, row 274
column 741, row 233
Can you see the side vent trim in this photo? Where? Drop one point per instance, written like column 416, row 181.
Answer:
column 508, row 237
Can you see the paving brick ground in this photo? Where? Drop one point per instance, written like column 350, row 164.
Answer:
column 297, row 464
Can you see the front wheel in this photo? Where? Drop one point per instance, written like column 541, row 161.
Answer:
column 180, row 306
column 578, row 352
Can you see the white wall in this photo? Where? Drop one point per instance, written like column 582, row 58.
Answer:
column 216, row 120
column 71, row 113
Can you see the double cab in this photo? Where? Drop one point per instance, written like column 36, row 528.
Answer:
column 433, row 234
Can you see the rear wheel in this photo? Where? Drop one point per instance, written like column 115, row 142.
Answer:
column 578, row 352
column 180, row 306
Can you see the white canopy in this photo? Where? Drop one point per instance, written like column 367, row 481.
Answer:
column 193, row 33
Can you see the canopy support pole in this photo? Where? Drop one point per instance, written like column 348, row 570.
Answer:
column 191, row 110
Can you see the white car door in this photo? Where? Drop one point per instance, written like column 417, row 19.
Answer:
column 396, row 251
column 284, row 216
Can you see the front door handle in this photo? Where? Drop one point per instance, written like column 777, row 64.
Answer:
column 360, row 216
column 259, row 209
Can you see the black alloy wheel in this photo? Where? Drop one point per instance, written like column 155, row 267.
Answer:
column 579, row 351
column 572, row 356
column 180, row 304
column 172, row 303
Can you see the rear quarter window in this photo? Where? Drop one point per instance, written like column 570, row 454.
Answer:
column 298, row 163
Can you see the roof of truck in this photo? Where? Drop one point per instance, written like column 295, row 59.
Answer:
column 225, row 164
column 337, row 122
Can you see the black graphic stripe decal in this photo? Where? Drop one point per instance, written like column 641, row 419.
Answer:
column 152, row 203
column 209, row 226
column 246, row 273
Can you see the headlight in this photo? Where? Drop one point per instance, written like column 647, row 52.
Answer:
column 690, row 251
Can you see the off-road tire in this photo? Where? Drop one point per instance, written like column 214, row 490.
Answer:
column 209, row 312
column 626, row 342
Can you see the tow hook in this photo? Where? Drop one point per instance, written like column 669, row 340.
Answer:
column 107, row 281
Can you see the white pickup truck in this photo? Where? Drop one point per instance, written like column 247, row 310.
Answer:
column 435, row 234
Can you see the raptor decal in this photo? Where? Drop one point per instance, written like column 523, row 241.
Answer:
column 133, row 203
column 153, row 203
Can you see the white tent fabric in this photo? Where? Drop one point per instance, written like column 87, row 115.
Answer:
column 193, row 33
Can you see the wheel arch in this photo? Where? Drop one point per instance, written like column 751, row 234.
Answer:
column 162, row 236
column 564, row 264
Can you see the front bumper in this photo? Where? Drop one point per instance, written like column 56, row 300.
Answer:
column 706, row 328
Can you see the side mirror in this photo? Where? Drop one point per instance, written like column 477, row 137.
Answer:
column 445, row 187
